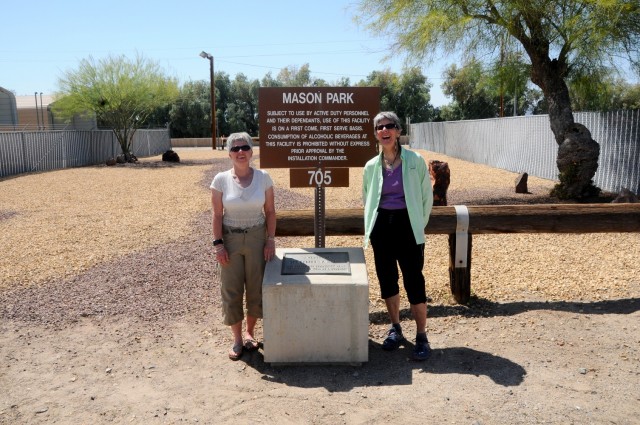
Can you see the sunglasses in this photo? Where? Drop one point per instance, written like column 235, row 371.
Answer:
column 243, row 148
column 389, row 126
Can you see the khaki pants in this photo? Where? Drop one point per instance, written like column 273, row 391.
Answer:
column 243, row 275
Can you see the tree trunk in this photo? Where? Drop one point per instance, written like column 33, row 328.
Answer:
column 125, row 140
column 578, row 153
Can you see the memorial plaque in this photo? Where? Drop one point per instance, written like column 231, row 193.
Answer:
column 304, row 263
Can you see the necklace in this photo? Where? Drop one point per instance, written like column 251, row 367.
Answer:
column 388, row 165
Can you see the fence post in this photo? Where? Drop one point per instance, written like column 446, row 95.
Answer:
column 24, row 152
column 460, row 257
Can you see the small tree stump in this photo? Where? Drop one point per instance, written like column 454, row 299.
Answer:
column 440, row 179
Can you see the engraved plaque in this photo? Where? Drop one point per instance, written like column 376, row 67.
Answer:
column 303, row 263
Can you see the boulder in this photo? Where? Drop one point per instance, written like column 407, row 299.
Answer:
column 626, row 196
column 170, row 156
column 521, row 183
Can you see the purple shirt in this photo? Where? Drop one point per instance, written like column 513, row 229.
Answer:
column 392, row 196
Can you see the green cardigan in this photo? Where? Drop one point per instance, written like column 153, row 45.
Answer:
column 417, row 191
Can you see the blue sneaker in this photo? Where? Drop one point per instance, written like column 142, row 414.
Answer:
column 421, row 351
column 393, row 340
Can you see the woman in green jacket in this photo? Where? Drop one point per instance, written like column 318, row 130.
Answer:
column 398, row 197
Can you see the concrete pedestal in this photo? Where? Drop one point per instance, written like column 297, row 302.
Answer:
column 311, row 317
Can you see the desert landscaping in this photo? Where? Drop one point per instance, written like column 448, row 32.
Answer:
column 110, row 312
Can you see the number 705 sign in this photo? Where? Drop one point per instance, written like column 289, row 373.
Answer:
column 323, row 177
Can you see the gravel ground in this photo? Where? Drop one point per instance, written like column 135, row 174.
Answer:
column 110, row 313
column 90, row 233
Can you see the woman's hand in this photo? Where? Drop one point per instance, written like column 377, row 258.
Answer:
column 222, row 256
column 269, row 249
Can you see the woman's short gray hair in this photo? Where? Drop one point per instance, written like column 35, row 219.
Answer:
column 391, row 116
column 239, row 136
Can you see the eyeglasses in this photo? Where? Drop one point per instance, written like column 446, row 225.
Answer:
column 389, row 126
column 243, row 148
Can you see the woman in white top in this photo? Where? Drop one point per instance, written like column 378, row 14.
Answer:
column 244, row 227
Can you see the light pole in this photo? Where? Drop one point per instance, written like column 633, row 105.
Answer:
column 206, row 55
column 35, row 94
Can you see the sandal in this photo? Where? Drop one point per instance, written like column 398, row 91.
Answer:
column 251, row 344
column 236, row 352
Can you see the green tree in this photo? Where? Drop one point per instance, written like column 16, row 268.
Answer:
column 473, row 96
column 556, row 35
column 293, row 76
column 510, row 79
column 487, row 92
column 190, row 113
column 414, row 96
column 269, row 81
column 242, row 108
column 387, row 81
column 342, row 82
column 121, row 92
column 631, row 97
column 407, row 94
column 224, row 96
column 600, row 90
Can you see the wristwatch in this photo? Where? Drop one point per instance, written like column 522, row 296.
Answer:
column 218, row 242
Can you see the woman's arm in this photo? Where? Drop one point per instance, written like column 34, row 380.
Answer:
column 216, row 222
column 270, row 221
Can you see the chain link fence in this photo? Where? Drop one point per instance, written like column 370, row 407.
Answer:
column 526, row 144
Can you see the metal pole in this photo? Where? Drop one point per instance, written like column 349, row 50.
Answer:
column 213, row 107
column 35, row 94
column 42, row 111
column 206, row 55
column 319, row 218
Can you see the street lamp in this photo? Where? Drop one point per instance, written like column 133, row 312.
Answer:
column 206, row 55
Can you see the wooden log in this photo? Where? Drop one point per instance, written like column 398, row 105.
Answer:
column 483, row 219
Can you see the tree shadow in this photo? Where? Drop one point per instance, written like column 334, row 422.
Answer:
column 480, row 307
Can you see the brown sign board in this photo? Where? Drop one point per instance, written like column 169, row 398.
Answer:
column 314, row 177
column 317, row 127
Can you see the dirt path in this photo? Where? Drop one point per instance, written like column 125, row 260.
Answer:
column 135, row 335
column 513, row 363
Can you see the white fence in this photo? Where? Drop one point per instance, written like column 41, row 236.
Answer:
column 526, row 144
column 25, row 152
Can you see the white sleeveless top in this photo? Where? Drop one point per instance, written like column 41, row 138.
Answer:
column 242, row 206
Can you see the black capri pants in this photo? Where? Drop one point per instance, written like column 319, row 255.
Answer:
column 393, row 244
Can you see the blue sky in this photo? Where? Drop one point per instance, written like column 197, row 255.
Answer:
column 43, row 39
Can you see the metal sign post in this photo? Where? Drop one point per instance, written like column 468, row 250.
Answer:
column 319, row 226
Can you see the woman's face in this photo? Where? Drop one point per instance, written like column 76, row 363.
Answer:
column 387, row 132
column 240, row 152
